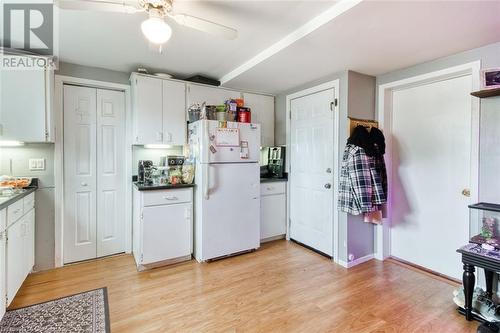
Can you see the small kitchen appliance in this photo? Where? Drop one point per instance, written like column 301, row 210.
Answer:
column 175, row 164
column 144, row 171
column 276, row 162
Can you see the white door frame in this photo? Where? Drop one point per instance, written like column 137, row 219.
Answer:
column 59, row 82
column 335, row 84
column 384, row 110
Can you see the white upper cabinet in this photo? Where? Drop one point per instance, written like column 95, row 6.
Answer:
column 211, row 95
column 159, row 109
column 262, row 107
column 174, row 112
column 147, row 109
column 25, row 111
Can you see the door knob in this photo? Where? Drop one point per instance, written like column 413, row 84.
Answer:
column 329, row 170
column 466, row 192
column 328, row 185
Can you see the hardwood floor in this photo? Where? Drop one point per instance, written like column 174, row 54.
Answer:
column 283, row 287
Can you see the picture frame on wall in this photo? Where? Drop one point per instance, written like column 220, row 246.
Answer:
column 490, row 78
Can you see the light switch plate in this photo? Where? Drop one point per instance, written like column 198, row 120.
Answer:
column 37, row 164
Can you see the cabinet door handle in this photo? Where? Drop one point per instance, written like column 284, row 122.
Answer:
column 270, row 188
column 83, row 184
column 170, row 197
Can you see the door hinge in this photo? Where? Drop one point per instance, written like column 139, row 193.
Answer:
column 142, row 257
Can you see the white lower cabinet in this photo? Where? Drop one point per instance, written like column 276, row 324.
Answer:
column 17, row 248
column 272, row 210
column 3, row 238
column 163, row 226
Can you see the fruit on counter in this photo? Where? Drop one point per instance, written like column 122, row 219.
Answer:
column 15, row 182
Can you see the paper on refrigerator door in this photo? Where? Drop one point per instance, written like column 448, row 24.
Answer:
column 227, row 137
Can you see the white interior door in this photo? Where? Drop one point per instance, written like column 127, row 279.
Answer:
column 431, row 149
column 79, row 173
column 110, row 172
column 94, row 180
column 311, row 170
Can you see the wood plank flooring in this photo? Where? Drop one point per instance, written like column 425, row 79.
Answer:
column 282, row 287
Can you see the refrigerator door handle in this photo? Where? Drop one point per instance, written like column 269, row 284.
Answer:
column 206, row 183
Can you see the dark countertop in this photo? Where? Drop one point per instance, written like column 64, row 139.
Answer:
column 7, row 201
column 273, row 180
column 142, row 187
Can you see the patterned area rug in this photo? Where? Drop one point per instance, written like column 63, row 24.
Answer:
column 83, row 313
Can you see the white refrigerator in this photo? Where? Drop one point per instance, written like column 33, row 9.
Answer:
column 227, row 191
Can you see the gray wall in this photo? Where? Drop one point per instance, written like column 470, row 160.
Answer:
column 44, row 197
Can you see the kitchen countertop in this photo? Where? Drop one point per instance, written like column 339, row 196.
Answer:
column 273, row 180
column 7, row 201
column 142, row 187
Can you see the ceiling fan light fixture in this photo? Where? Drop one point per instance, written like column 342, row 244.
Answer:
column 156, row 30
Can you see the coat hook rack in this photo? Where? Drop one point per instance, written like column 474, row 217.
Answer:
column 353, row 122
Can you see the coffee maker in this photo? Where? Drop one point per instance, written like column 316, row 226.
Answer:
column 276, row 162
column 144, row 171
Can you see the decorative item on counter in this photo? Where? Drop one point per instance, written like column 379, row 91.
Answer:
column 188, row 172
column 15, row 182
column 488, row 229
column 244, row 115
column 142, row 70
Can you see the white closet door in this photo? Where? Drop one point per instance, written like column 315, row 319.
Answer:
column 79, row 173
column 311, row 165
column 431, row 156
column 110, row 172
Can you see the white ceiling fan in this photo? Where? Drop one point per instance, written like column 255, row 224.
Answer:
column 155, row 28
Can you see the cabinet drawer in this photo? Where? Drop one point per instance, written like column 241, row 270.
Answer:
column 167, row 197
column 272, row 188
column 28, row 202
column 14, row 212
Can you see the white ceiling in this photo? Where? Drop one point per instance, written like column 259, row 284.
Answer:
column 114, row 40
column 373, row 37
column 377, row 37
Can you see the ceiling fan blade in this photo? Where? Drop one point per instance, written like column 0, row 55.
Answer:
column 125, row 6
column 205, row 26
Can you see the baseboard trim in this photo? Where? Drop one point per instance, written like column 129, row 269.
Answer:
column 356, row 261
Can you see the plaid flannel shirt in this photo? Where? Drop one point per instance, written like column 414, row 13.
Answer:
column 362, row 187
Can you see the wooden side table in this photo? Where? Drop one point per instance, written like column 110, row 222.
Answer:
column 474, row 256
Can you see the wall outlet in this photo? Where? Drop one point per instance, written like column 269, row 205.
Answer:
column 37, row 164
